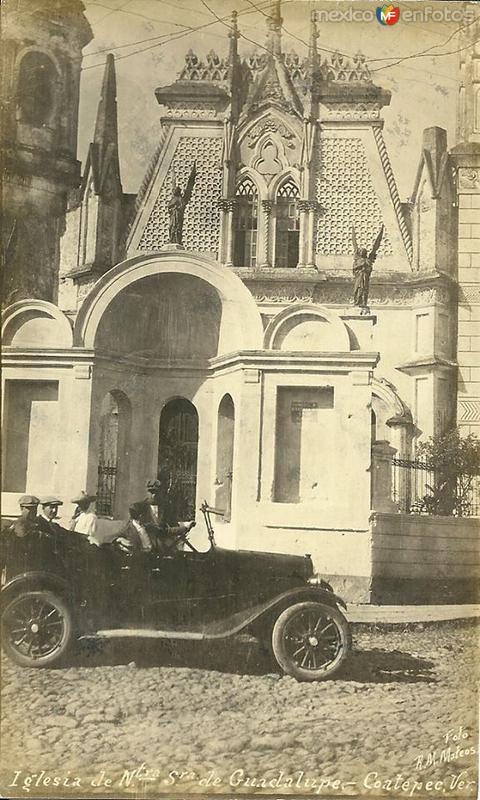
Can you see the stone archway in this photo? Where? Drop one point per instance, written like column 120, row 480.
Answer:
column 241, row 326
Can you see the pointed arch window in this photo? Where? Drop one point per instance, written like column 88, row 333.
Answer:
column 287, row 224
column 245, row 224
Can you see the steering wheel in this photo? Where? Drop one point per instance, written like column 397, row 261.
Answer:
column 182, row 536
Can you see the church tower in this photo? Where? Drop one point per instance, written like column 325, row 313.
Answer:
column 41, row 65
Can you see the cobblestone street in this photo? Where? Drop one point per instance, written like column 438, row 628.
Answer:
column 219, row 720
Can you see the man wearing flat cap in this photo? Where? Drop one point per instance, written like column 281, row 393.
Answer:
column 25, row 523
column 48, row 513
column 25, row 529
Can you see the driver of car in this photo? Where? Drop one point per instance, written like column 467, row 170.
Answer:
column 141, row 535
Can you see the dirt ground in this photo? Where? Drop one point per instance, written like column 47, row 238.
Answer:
column 399, row 720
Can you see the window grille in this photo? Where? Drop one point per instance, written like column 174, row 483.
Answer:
column 246, row 223
column 287, row 224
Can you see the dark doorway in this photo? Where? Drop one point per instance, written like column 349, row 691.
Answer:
column 177, row 460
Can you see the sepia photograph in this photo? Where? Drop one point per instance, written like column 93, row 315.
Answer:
column 240, row 536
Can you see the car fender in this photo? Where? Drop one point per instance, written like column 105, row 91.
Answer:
column 31, row 581
column 255, row 617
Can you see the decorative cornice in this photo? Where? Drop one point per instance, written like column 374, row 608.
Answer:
column 427, row 364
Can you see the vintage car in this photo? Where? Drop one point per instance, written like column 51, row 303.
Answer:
column 61, row 589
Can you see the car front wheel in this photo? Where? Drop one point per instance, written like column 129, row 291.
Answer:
column 310, row 641
column 37, row 629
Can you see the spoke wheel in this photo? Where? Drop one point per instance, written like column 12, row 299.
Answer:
column 37, row 629
column 310, row 641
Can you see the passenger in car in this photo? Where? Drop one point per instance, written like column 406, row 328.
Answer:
column 25, row 523
column 84, row 518
column 48, row 513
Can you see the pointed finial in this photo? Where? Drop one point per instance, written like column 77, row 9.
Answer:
column 233, row 36
column 274, row 25
column 312, row 45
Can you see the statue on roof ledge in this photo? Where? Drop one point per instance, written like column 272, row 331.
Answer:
column 177, row 206
column 362, row 269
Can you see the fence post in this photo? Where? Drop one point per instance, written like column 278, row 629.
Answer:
column 381, row 477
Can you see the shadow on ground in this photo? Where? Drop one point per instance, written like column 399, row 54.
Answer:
column 373, row 665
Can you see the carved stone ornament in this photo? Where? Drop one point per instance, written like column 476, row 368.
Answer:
column 227, row 204
column 332, row 293
column 213, row 68
column 270, row 126
column 469, row 179
column 469, row 294
column 469, row 410
column 278, row 293
column 341, row 111
column 193, row 111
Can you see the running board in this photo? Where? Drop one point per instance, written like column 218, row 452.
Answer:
column 144, row 633
column 148, row 633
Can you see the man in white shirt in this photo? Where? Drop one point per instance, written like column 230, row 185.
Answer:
column 84, row 519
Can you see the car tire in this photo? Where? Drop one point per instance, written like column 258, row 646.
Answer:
column 37, row 629
column 310, row 641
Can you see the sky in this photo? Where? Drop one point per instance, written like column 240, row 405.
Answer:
column 424, row 87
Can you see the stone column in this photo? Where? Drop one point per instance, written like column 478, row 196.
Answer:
column 303, row 208
column 265, row 235
column 227, row 208
column 381, row 477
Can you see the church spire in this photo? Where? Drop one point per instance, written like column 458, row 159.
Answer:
column 274, row 24
column 106, row 125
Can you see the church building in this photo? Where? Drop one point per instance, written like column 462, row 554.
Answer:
column 217, row 344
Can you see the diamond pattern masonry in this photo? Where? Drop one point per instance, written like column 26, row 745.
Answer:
column 347, row 196
column 202, row 216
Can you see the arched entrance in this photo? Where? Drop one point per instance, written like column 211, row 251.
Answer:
column 113, row 462
column 177, row 460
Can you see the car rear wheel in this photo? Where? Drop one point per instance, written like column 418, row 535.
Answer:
column 310, row 641
column 37, row 629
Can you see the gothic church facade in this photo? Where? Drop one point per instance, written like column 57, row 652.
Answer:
column 235, row 366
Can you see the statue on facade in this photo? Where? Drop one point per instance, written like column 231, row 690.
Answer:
column 177, row 206
column 362, row 269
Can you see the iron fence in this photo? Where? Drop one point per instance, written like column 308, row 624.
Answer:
column 107, row 480
column 418, row 488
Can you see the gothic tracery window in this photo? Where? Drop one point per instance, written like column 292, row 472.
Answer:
column 287, row 225
column 36, row 88
column 245, row 226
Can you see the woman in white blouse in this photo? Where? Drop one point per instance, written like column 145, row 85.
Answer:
column 84, row 518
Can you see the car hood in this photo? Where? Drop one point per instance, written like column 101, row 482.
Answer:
column 268, row 566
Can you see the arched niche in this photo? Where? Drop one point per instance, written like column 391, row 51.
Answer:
column 241, row 326
column 36, row 93
column 171, row 316
column 225, row 448
column 307, row 328
column 114, row 454
column 35, row 323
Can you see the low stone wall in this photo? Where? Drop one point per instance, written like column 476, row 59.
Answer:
column 420, row 559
